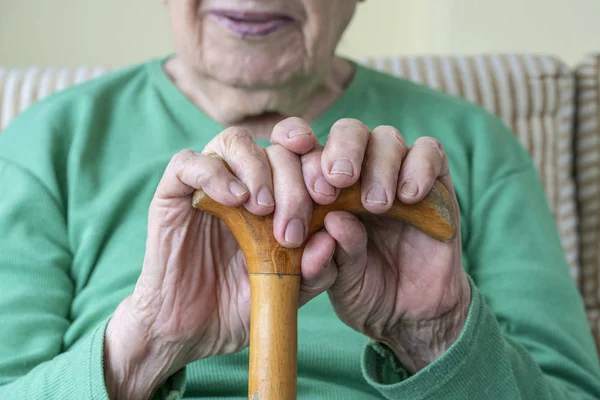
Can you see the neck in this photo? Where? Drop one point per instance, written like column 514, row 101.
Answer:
column 260, row 110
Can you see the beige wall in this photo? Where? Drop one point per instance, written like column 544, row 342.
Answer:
column 120, row 32
column 567, row 28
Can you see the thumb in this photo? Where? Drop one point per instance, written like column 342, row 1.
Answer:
column 318, row 269
column 351, row 255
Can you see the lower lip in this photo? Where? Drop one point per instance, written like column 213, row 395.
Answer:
column 248, row 28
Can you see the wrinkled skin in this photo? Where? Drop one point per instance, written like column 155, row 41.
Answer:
column 385, row 279
column 291, row 72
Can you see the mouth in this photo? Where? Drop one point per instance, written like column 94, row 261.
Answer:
column 249, row 23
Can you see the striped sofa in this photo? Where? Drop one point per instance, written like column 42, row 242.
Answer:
column 553, row 109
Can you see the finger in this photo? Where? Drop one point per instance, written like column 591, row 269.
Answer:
column 295, row 135
column 249, row 163
column 294, row 208
column 379, row 179
column 318, row 270
column 188, row 171
column 425, row 162
column 344, row 152
column 321, row 191
column 351, row 251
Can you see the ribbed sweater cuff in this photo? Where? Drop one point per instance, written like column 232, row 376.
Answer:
column 85, row 373
column 452, row 374
column 174, row 388
column 89, row 371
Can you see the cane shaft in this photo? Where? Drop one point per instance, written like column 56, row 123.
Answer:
column 274, row 273
column 275, row 277
column 273, row 336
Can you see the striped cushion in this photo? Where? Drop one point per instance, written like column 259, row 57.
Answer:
column 533, row 95
column 588, row 181
column 19, row 88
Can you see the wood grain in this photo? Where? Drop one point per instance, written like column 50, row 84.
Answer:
column 274, row 338
column 275, row 276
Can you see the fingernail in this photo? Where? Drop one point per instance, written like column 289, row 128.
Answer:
column 265, row 198
column 377, row 195
column 342, row 167
column 297, row 132
column 294, row 233
column 410, row 188
column 321, row 186
column 237, row 189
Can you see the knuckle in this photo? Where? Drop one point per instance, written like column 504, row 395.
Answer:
column 427, row 141
column 293, row 199
column 350, row 123
column 275, row 155
column 387, row 130
column 348, row 139
column 207, row 174
column 235, row 132
column 257, row 155
column 182, row 157
column 349, row 151
column 237, row 144
column 390, row 133
column 297, row 195
column 345, row 147
column 234, row 136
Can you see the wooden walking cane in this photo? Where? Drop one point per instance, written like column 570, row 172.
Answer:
column 275, row 277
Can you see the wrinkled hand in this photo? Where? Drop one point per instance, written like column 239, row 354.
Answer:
column 394, row 283
column 192, row 299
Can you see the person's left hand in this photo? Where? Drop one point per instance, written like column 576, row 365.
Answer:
column 394, row 283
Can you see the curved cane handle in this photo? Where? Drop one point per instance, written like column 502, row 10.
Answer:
column 275, row 276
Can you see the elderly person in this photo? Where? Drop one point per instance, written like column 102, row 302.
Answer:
column 113, row 286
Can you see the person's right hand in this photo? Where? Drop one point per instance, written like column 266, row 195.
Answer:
column 192, row 298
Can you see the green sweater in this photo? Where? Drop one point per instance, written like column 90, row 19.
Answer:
column 78, row 171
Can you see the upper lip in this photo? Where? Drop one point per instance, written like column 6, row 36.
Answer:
column 246, row 15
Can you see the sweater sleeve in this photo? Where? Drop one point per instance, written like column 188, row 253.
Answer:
column 526, row 335
column 36, row 292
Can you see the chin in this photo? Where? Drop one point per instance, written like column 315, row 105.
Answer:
column 255, row 74
column 257, row 64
